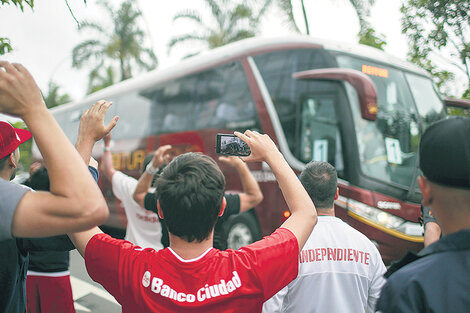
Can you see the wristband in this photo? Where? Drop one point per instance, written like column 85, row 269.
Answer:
column 107, row 149
column 150, row 169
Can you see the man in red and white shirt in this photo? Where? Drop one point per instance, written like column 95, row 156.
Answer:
column 190, row 275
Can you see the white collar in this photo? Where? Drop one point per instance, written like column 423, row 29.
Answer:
column 190, row 260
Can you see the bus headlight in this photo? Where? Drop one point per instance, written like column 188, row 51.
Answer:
column 385, row 219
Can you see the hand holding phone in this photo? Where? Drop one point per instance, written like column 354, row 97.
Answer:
column 229, row 144
column 262, row 147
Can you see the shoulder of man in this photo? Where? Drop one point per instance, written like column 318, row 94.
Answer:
column 10, row 196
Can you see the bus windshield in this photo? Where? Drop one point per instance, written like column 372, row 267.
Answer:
column 407, row 104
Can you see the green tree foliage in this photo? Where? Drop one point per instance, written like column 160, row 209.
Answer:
column 5, row 44
column 54, row 97
column 19, row 3
column 370, row 38
column 437, row 25
column 120, row 45
column 466, row 94
column 98, row 81
column 231, row 21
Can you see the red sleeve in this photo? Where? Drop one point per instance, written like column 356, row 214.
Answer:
column 275, row 259
column 103, row 259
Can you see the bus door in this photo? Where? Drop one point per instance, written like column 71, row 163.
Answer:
column 318, row 129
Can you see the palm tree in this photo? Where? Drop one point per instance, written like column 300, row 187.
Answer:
column 232, row 22
column 97, row 81
column 362, row 8
column 53, row 97
column 121, row 44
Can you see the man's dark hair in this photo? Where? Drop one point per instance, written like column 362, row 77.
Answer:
column 39, row 180
column 190, row 191
column 320, row 180
column 4, row 161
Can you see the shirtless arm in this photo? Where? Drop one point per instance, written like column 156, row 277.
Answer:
column 91, row 130
column 74, row 201
column 106, row 165
column 145, row 180
column 304, row 214
column 251, row 195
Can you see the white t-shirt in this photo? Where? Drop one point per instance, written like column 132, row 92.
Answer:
column 340, row 270
column 143, row 227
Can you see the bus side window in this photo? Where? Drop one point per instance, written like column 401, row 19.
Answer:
column 209, row 89
column 236, row 108
column 173, row 106
column 133, row 109
column 224, row 99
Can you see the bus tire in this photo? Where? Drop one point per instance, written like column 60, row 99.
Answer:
column 242, row 230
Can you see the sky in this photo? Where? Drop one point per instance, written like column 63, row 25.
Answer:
column 43, row 38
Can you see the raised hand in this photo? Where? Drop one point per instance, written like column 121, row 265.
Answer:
column 19, row 93
column 261, row 146
column 233, row 161
column 92, row 122
column 161, row 156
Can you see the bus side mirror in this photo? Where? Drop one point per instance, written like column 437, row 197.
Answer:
column 364, row 86
column 460, row 107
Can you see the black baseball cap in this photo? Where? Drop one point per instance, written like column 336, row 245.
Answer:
column 444, row 152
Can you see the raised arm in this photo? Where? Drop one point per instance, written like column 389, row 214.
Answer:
column 251, row 195
column 432, row 233
column 106, row 164
column 160, row 156
column 91, row 130
column 74, row 201
column 304, row 214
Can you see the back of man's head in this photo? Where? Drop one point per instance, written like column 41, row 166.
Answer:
column 39, row 180
column 321, row 181
column 444, row 153
column 190, row 191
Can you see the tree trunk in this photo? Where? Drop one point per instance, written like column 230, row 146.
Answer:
column 307, row 29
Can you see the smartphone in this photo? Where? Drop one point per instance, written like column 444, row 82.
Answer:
column 229, row 144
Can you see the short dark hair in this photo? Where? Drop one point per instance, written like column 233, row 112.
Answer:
column 190, row 191
column 4, row 161
column 321, row 181
column 39, row 180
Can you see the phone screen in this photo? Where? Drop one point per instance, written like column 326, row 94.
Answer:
column 229, row 144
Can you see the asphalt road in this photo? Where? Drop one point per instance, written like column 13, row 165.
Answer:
column 88, row 295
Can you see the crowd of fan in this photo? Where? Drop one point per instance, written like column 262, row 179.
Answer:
column 174, row 258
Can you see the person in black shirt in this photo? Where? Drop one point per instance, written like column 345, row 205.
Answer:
column 48, row 286
column 436, row 279
column 236, row 203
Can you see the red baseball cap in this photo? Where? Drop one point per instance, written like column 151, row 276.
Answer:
column 11, row 138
